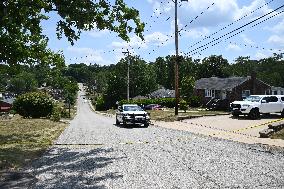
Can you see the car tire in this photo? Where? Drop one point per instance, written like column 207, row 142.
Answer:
column 117, row 122
column 235, row 114
column 146, row 125
column 282, row 113
column 254, row 114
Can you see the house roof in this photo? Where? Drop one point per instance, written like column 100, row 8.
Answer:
column 277, row 88
column 215, row 83
column 162, row 93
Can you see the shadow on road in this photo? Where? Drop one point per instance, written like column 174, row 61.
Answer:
column 69, row 168
column 130, row 126
column 264, row 116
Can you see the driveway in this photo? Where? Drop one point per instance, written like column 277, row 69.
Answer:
column 94, row 153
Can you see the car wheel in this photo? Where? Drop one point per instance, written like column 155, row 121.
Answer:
column 117, row 122
column 235, row 114
column 146, row 125
column 282, row 113
column 254, row 114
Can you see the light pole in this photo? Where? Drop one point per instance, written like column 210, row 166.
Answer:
column 127, row 52
column 177, row 58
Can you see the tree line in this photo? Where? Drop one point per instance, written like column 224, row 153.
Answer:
column 110, row 82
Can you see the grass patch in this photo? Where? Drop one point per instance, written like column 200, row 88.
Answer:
column 278, row 135
column 22, row 140
column 169, row 114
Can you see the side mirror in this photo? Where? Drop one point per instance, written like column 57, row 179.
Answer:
column 263, row 101
column 120, row 108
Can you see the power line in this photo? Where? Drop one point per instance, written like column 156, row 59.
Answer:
column 209, row 36
column 240, row 28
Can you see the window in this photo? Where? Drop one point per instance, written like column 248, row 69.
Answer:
column 274, row 92
column 270, row 99
column 282, row 92
column 273, row 99
column 209, row 93
column 245, row 93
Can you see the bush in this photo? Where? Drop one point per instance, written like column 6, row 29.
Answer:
column 183, row 105
column 194, row 101
column 100, row 104
column 56, row 114
column 34, row 105
column 167, row 102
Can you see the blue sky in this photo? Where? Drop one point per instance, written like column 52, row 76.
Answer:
column 104, row 47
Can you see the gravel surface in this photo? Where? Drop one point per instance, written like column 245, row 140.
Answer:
column 95, row 153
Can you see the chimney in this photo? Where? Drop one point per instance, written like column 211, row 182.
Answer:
column 253, row 82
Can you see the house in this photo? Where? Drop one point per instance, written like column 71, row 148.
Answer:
column 162, row 93
column 277, row 91
column 230, row 89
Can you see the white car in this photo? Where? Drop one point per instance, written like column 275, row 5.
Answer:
column 132, row 114
column 255, row 105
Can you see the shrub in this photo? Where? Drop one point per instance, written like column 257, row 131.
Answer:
column 194, row 101
column 100, row 104
column 56, row 114
column 34, row 105
column 167, row 102
column 183, row 105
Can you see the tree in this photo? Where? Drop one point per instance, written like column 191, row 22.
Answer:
column 21, row 35
column 213, row 66
column 23, row 82
column 187, row 86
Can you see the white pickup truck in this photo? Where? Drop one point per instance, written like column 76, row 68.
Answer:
column 255, row 105
column 132, row 114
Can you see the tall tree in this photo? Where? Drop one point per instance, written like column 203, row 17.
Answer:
column 21, row 34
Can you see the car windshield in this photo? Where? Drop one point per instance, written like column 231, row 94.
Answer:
column 132, row 108
column 253, row 98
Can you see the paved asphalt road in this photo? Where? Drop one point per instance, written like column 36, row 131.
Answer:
column 94, row 153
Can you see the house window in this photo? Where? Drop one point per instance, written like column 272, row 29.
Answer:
column 209, row 93
column 282, row 92
column 274, row 92
column 245, row 93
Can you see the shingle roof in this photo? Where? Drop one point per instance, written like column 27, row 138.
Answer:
column 215, row 83
column 162, row 93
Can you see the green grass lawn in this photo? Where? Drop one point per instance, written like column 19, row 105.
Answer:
column 22, row 140
column 169, row 113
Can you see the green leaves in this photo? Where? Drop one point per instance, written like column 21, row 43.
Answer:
column 21, row 35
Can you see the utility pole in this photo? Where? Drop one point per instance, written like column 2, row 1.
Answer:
column 127, row 52
column 177, row 58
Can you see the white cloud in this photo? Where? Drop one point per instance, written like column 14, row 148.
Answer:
column 245, row 11
column 278, row 28
column 88, row 55
column 155, row 38
column 260, row 55
column 233, row 47
column 97, row 33
column 247, row 40
column 276, row 40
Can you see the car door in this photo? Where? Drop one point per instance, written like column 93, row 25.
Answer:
column 274, row 104
column 264, row 106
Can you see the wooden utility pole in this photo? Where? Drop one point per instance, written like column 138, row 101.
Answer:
column 127, row 52
column 177, row 58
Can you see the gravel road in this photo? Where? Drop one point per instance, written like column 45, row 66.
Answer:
column 94, row 153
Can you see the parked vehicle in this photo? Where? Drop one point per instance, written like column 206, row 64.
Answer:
column 132, row 114
column 255, row 105
column 153, row 107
